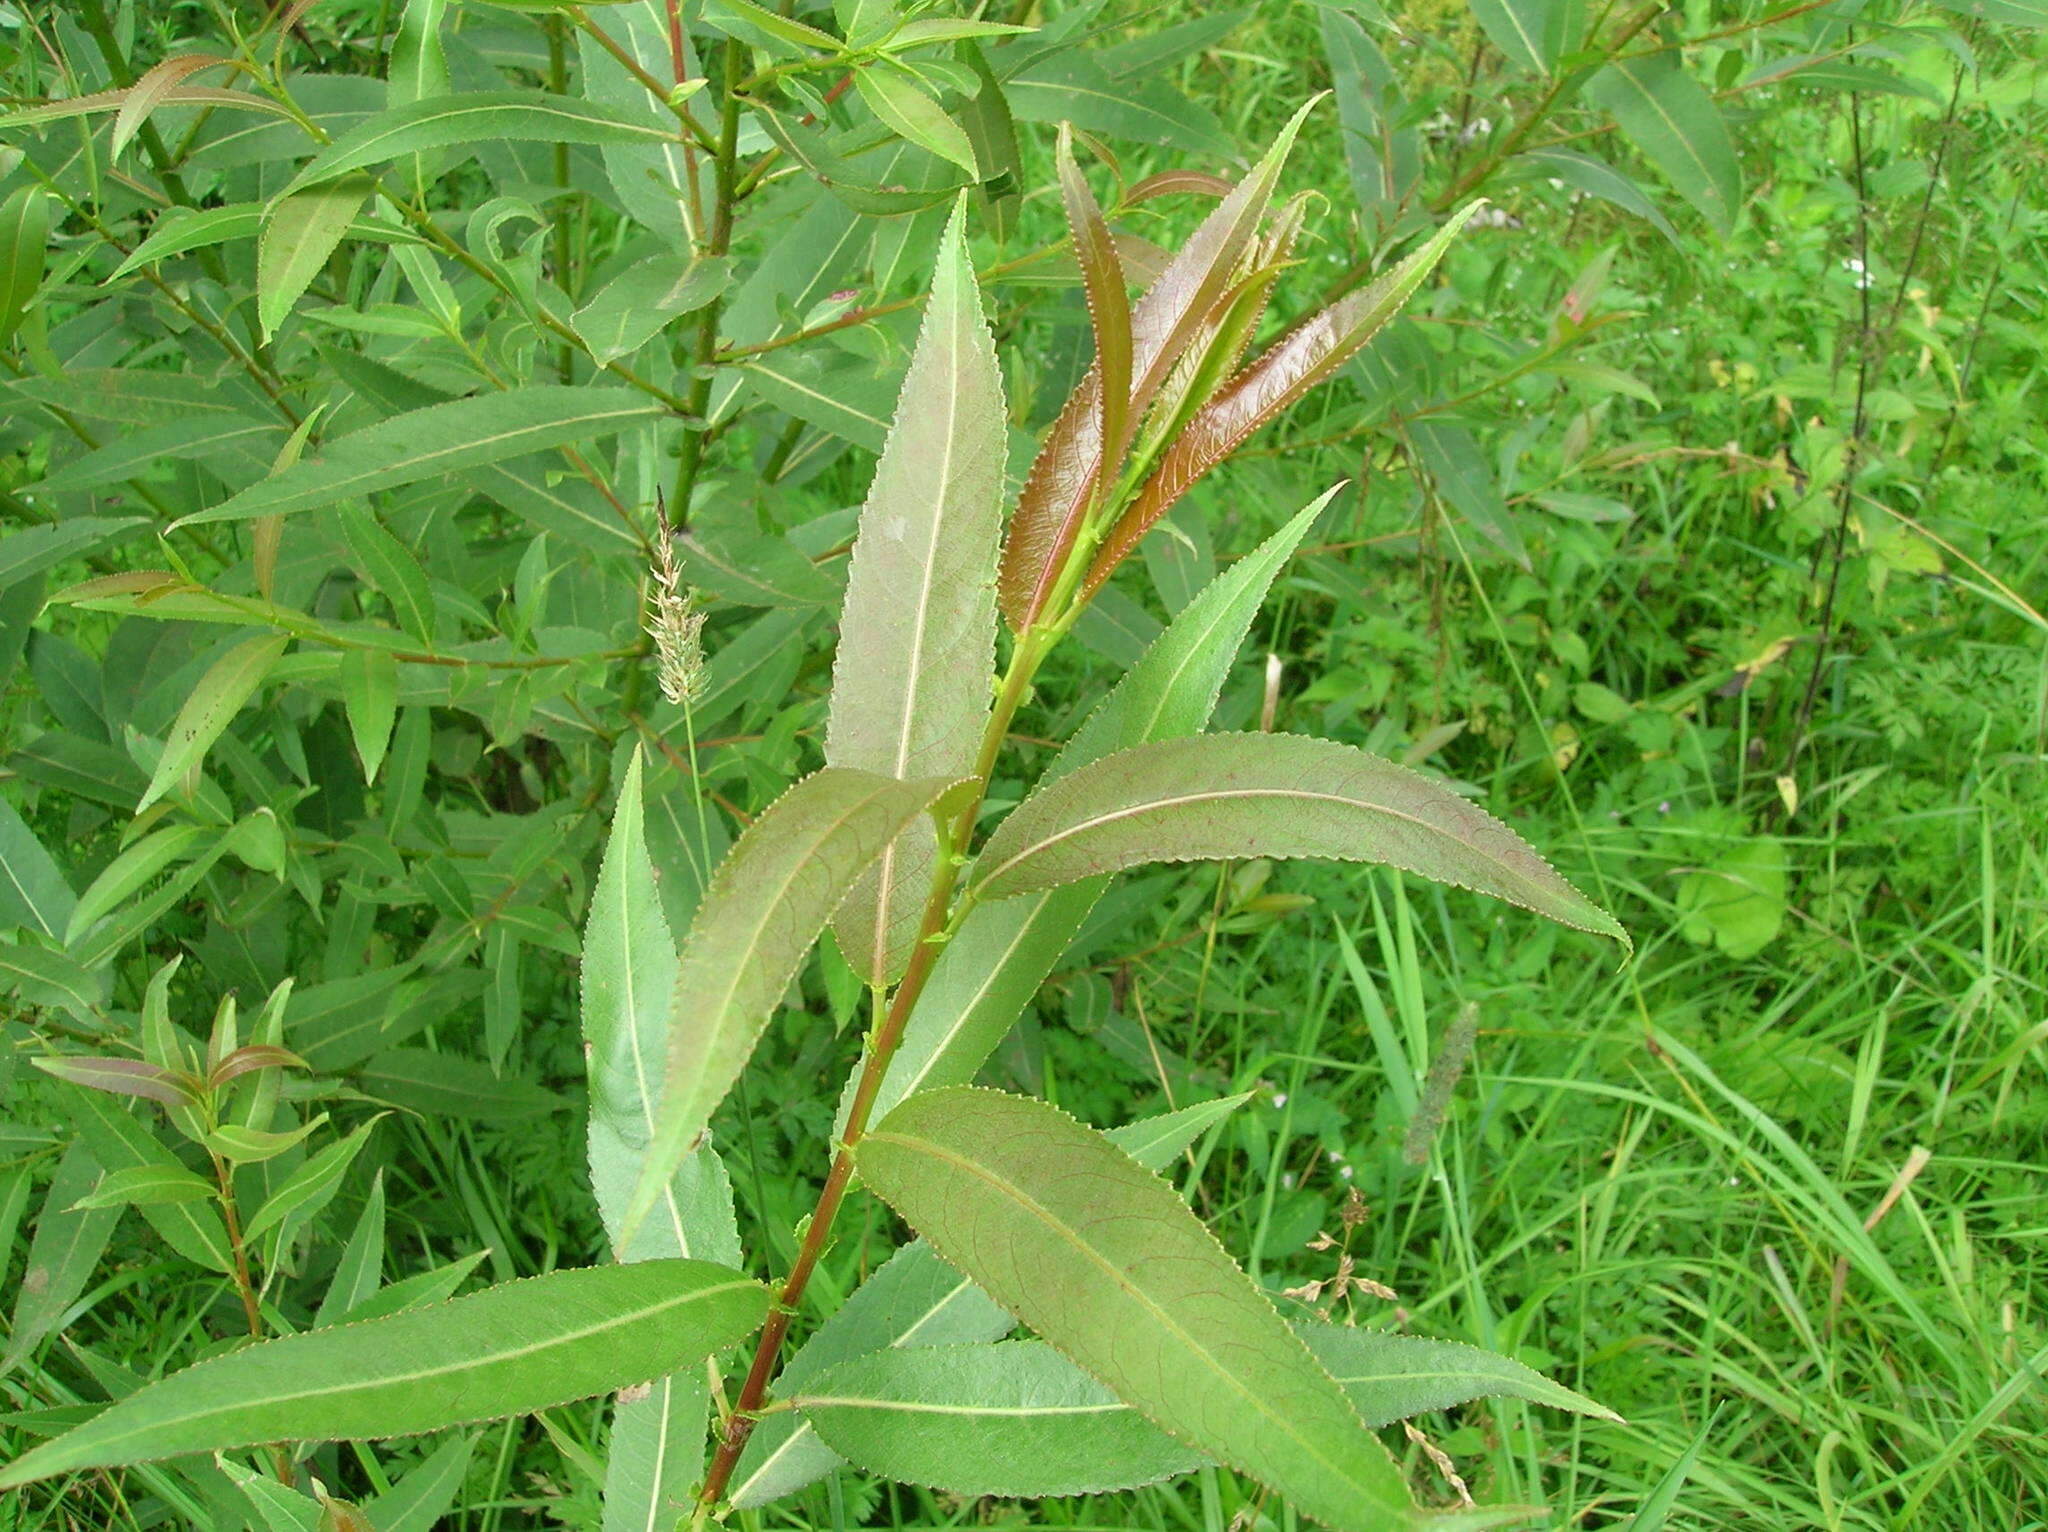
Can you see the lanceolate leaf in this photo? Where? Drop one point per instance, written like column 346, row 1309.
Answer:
column 1670, row 117
column 1308, row 355
column 1004, row 950
column 900, row 103
column 918, row 630
column 1059, row 490
column 1533, row 33
column 471, row 118
column 511, row 1349
column 1017, row 1418
column 1013, row 1418
column 766, row 905
column 916, row 1299
column 442, row 438
column 1242, row 795
column 228, row 683
column 299, row 235
column 62, row 1252
column 1109, row 303
column 1103, row 1259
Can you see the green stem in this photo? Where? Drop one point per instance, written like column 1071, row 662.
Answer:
column 725, row 181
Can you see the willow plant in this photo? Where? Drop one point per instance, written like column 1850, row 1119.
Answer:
column 1152, row 1352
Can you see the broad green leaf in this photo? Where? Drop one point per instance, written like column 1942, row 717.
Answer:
column 148, row 91
column 391, row 570
column 33, row 892
column 1308, row 355
column 427, row 1493
column 1103, row 1259
column 900, row 102
column 840, row 395
column 1061, row 486
column 236, row 441
column 184, row 229
column 629, row 976
column 309, row 1188
column 1392, row 1377
column 637, row 304
column 30, row 552
column 766, row 905
column 1382, row 144
column 299, row 234
column 1004, row 950
column 454, row 437
column 122, row 1142
column 509, row 1350
column 228, row 683
column 851, row 176
column 1071, row 86
column 1012, row 1418
column 1596, row 178
column 753, row 570
column 369, row 696
column 1017, row 1418
column 1533, row 33
column 62, row 1252
column 129, row 871
column 361, row 1268
column 1737, row 901
column 1462, row 475
column 917, row 632
column 916, row 1299
column 1669, row 116
column 450, row 1085
column 661, row 184
column 24, row 247
column 1243, row 795
column 146, row 1186
column 469, row 119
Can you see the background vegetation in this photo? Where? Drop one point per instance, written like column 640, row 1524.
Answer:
column 1695, row 525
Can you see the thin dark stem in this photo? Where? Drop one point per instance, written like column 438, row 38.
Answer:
column 725, row 181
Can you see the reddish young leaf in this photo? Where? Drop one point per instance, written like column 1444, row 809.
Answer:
column 1306, row 356
column 254, row 1057
column 1109, row 303
column 1056, row 497
column 122, row 1077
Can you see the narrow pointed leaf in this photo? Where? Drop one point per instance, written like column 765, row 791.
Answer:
column 1102, row 1258
column 911, row 114
column 369, row 696
column 24, row 252
column 1109, row 302
column 1017, row 1418
column 916, row 1299
column 1307, row 356
column 299, row 234
column 768, row 901
column 123, row 1141
column 508, row 1350
column 471, row 118
column 917, row 632
column 228, row 683
column 1057, row 494
column 1243, row 795
column 62, row 1252
column 1670, row 117
column 146, row 1186
column 454, row 437
column 119, row 1077
column 1004, row 950
column 1013, row 1418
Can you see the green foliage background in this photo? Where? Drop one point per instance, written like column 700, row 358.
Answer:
column 1695, row 526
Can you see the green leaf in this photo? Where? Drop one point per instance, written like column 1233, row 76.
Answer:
column 449, row 1085
column 636, row 305
column 30, row 552
column 185, row 229
column 234, row 441
column 299, row 234
column 62, row 1252
column 391, row 570
column 369, row 695
column 1392, row 1377
column 24, row 247
column 1012, row 1418
column 470, row 119
column 1003, row 951
column 1308, row 355
column 442, row 438
column 858, row 185
column 629, row 976
column 146, row 1186
column 1737, row 902
column 1104, row 1260
column 309, row 1188
column 1533, row 33
column 766, row 905
column 361, row 1267
column 508, row 1350
column 1243, row 795
column 1070, row 86
column 894, row 96
column 417, row 1502
column 1668, row 115
column 917, row 633
column 662, row 183
column 123, row 1142
column 33, row 891
column 229, row 682
column 916, row 1299
column 1596, row 178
